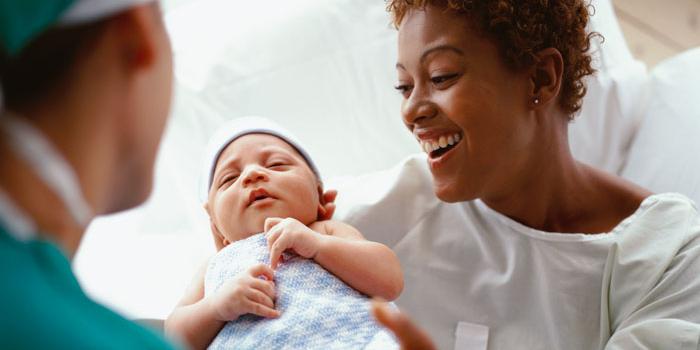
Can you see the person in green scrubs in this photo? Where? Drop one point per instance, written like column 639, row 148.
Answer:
column 86, row 91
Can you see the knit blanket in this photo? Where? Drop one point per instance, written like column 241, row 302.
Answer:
column 318, row 310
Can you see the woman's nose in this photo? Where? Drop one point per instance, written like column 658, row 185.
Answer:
column 254, row 174
column 416, row 108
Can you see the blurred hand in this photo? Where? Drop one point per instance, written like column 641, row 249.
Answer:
column 247, row 293
column 290, row 234
column 409, row 335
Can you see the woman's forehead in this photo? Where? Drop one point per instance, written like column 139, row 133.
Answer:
column 433, row 22
column 436, row 32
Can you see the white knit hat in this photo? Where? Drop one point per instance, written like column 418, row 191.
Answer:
column 234, row 129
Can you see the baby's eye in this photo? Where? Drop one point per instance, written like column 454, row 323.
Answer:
column 227, row 179
column 442, row 78
column 277, row 165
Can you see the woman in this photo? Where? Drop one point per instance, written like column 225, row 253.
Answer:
column 87, row 89
column 529, row 249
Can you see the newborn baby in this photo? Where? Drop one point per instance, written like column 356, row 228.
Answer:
column 285, row 276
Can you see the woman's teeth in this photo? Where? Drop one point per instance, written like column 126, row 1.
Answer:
column 442, row 142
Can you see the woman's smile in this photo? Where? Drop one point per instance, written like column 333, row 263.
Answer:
column 438, row 157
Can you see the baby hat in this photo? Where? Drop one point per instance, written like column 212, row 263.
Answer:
column 235, row 128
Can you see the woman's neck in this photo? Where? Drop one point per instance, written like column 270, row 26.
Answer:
column 553, row 192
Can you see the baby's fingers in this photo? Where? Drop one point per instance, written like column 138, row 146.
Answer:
column 271, row 222
column 259, row 297
column 266, row 287
column 262, row 270
column 273, row 235
column 262, row 310
column 276, row 251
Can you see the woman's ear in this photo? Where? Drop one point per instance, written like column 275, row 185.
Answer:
column 545, row 77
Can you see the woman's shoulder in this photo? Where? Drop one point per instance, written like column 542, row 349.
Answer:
column 664, row 225
column 665, row 209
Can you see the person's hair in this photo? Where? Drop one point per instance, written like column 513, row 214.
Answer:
column 521, row 28
column 46, row 62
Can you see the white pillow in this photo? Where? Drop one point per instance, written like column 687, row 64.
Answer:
column 665, row 155
column 600, row 135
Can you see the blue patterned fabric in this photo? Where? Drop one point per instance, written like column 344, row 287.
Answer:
column 319, row 311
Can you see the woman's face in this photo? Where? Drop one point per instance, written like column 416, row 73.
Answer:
column 256, row 177
column 460, row 98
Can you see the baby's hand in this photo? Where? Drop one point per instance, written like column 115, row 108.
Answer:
column 247, row 293
column 283, row 234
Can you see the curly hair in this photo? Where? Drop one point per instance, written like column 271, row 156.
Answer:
column 521, row 28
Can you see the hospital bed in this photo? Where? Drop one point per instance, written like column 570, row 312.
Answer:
column 325, row 70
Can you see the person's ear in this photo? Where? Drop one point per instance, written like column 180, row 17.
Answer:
column 326, row 206
column 220, row 240
column 546, row 77
column 136, row 30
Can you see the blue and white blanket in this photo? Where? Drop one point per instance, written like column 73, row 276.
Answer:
column 319, row 311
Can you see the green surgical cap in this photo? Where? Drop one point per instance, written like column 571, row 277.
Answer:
column 22, row 20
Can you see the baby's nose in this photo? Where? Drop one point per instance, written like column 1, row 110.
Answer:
column 254, row 175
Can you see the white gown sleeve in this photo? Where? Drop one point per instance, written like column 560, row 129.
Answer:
column 651, row 292
column 385, row 205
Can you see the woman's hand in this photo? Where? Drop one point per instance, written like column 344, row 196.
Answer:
column 409, row 335
column 247, row 293
column 289, row 233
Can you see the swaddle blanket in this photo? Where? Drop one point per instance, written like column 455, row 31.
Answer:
column 319, row 311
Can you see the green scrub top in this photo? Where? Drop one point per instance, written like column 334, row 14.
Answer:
column 43, row 307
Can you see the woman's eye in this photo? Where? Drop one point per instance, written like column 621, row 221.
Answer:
column 442, row 78
column 404, row 89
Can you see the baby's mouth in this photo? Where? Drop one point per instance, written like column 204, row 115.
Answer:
column 438, row 146
column 258, row 194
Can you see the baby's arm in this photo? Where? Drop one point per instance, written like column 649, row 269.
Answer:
column 198, row 319
column 370, row 267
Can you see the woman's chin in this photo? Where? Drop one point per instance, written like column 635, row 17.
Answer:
column 451, row 193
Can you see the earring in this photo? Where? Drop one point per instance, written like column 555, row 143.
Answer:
column 536, row 101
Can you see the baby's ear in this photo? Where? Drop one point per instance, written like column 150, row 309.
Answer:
column 326, row 206
column 219, row 240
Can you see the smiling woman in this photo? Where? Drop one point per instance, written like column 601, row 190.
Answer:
column 532, row 248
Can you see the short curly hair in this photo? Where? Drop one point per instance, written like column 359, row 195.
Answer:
column 521, row 28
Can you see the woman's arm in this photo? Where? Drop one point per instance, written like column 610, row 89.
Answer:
column 651, row 289
column 370, row 267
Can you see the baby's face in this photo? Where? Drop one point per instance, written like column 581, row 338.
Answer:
column 256, row 177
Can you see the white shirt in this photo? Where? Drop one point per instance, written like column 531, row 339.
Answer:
column 475, row 279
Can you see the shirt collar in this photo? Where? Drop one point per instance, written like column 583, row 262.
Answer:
column 18, row 223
